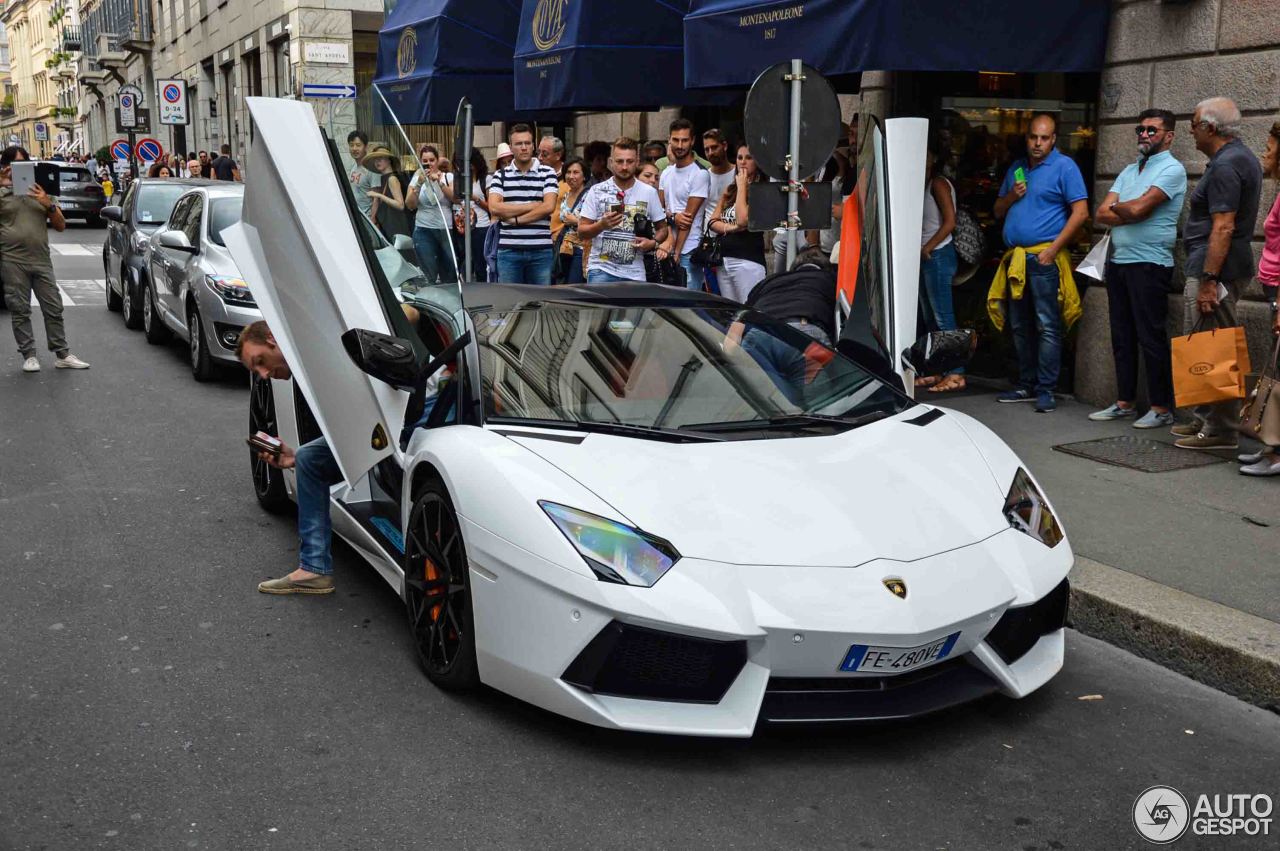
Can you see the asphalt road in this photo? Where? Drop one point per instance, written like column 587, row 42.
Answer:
column 151, row 699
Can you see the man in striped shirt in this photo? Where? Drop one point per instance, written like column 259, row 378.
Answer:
column 521, row 197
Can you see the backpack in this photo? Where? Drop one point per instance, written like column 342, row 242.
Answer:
column 971, row 245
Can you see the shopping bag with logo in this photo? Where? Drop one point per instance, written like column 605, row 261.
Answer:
column 1209, row 366
column 1261, row 415
column 1094, row 264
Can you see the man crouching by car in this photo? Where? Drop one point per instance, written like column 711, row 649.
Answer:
column 316, row 468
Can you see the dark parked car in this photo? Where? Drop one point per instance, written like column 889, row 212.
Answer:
column 81, row 195
column 146, row 206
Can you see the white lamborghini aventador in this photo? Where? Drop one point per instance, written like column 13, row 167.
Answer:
column 647, row 508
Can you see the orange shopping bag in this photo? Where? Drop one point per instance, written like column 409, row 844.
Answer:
column 1209, row 366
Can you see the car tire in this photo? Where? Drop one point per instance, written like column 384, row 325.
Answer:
column 114, row 300
column 130, row 308
column 153, row 326
column 268, row 482
column 437, row 591
column 202, row 365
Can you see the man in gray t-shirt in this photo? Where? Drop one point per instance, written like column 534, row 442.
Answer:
column 362, row 179
column 1224, row 208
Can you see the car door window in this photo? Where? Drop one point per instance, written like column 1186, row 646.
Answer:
column 178, row 216
column 191, row 225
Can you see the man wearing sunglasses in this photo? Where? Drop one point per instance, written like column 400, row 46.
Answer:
column 1142, row 211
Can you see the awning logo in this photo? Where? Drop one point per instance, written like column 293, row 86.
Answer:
column 407, row 52
column 548, row 23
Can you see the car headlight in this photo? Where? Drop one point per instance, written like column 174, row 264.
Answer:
column 1028, row 511
column 231, row 290
column 614, row 551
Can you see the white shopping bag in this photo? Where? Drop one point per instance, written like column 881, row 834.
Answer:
column 1094, row 264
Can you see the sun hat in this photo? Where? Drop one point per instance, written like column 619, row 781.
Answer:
column 504, row 150
column 378, row 151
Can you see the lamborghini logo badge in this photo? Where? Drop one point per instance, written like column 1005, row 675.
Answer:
column 379, row 439
column 896, row 587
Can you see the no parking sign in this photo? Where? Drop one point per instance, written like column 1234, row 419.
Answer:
column 173, row 101
column 120, row 150
column 149, row 150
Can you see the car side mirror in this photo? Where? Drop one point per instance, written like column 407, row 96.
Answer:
column 386, row 358
column 939, row 352
column 113, row 214
column 177, row 240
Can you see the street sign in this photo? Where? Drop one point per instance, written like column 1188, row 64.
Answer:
column 120, row 149
column 128, row 109
column 149, row 150
column 42, row 131
column 141, row 122
column 765, row 118
column 131, row 89
column 173, row 101
column 326, row 90
column 14, row 139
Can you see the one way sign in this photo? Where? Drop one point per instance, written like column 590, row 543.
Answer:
column 327, row 90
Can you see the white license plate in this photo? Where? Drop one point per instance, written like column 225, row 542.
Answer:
column 869, row 658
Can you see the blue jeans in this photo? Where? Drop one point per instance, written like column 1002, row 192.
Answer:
column 781, row 361
column 937, row 273
column 317, row 471
column 695, row 272
column 525, row 265
column 1038, row 329
column 435, row 254
column 596, row 276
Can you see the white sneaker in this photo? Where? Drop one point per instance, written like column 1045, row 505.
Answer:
column 31, row 364
column 70, row 362
column 1267, row 465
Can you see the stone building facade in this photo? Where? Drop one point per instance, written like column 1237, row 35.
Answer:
column 1172, row 55
column 40, row 74
column 226, row 51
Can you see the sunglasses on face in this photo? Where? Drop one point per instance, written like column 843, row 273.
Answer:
column 1145, row 130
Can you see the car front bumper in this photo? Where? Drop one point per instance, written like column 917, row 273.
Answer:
column 223, row 323
column 609, row 654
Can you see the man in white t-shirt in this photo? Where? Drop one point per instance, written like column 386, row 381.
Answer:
column 608, row 219
column 684, row 187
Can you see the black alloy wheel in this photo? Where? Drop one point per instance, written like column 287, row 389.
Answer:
column 437, row 592
column 268, row 482
column 130, row 309
column 114, row 299
column 153, row 326
column 202, row 365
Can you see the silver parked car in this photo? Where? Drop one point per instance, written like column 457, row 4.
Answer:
column 191, row 286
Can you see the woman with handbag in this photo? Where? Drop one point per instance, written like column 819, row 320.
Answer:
column 1266, row 462
column 741, row 252
column 938, row 261
column 571, row 251
column 388, row 210
column 430, row 196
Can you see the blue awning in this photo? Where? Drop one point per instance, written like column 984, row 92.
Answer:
column 598, row 55
column 431, row 53
column 729, row 42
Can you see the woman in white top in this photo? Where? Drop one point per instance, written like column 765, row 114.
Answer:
column 429, row 193
column 938, row 261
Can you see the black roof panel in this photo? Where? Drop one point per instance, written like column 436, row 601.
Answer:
column 480, row 298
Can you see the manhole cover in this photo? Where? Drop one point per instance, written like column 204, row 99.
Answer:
column 1140, row 453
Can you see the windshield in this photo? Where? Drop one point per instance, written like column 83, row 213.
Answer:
column 665, row 368
column 223, row 213
column 155, row 202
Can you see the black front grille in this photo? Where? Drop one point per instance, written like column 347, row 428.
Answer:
column 814, row 700
column 634, row 661
column 1019, row 629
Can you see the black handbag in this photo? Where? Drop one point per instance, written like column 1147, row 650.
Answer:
column 710, row 251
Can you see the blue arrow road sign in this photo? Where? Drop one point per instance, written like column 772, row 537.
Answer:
column 327, row 90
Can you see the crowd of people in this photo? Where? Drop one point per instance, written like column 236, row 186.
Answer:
column 627, row 210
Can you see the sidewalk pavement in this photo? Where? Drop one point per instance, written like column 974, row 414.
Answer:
column 1182, row 567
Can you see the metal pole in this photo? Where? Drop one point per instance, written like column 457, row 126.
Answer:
column 793, row 163
column 133, row 155
column 466, row 203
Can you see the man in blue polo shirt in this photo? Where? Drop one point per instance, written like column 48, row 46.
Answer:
column 1042, row 202
column 1142, row 211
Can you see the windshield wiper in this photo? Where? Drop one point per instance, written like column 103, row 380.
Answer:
column 623, row 429
column 791, row 420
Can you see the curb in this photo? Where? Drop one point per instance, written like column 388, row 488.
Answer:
column 1224, row 648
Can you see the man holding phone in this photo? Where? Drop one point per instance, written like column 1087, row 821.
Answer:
column 25, row 267
column 1043, row 202
column 609, row 218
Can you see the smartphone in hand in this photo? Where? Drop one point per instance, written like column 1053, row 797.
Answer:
column 263, row 442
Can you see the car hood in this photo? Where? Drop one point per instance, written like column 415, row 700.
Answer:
column 891, row 489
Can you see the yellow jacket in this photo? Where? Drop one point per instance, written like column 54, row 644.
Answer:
column 1012, row 275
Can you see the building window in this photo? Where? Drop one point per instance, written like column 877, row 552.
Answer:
column 281, row 68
